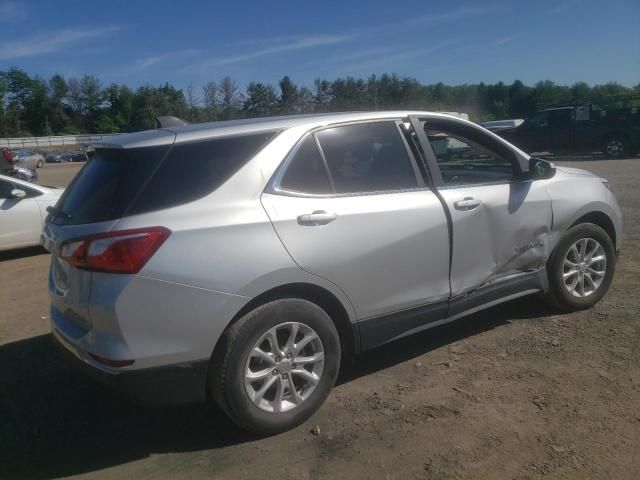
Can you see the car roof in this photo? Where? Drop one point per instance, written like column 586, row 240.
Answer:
column 556, row 108
column 201, row 131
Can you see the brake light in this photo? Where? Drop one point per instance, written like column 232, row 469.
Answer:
column 8, row 155
column 123, row 251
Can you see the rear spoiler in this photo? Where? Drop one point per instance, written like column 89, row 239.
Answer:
column 165, row 121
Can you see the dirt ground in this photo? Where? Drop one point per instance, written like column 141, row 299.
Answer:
column 515, row 392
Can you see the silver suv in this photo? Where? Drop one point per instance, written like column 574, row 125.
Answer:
column 242, row 261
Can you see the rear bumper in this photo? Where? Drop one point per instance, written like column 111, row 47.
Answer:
column 176, row 384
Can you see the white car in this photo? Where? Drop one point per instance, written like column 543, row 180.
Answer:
column 23, row 208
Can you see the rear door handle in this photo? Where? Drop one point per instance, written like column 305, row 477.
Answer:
column 318, row 217
column 467, row 203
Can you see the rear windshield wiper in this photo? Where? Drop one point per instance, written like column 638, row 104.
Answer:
column 56, row 212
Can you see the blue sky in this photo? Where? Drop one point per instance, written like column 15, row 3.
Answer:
column 138, row 42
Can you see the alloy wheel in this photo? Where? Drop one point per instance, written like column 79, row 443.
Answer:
column 614, row 147
column 584, row 267
column 284, row 367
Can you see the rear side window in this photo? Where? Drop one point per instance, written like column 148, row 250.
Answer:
column 306, row 172
column 119, row 182
column 367, row 157
column 193, row 170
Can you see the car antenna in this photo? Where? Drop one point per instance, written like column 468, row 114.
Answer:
column 165, row 121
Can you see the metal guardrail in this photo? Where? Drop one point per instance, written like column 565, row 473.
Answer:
column 53, row 141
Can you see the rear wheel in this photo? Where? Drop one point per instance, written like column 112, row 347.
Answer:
column 39, row 164
column 581, row 267
column 276, row 365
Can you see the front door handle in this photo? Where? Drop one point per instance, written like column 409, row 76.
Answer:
column 467, row 203
column 318, row 217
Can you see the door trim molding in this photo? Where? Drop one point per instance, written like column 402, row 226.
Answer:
column 381, row 329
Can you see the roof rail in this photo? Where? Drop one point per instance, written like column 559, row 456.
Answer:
column 165, row 121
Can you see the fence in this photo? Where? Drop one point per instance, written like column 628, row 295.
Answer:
column 53, row 141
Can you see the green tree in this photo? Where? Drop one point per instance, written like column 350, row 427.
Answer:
column 229, row 97
column 37, row 108
column 19, row 88
column 260, row 100
column 288, row 95
column 210, row 99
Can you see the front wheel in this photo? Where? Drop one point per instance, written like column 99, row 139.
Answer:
column 581, row 267
column 614, row 147
column 276, row 365
column 39, row 164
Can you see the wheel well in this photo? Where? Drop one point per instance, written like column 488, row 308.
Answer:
column 349, row 339
column 618, row 134
column 600, row 219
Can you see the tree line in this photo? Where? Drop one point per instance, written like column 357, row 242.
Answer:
column 37, row 106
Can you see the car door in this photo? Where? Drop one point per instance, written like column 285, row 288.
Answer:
column 350, row 205
column 500, row 220
column 20, row 218
column 560, row 132
column 537, row 135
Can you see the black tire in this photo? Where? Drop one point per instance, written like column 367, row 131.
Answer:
column 227, row 371
column 615, row 146
column 39, row 164
column 559, row 295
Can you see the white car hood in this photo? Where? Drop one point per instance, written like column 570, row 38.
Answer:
column 575, row 171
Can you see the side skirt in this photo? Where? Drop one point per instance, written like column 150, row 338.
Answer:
column 382, row 329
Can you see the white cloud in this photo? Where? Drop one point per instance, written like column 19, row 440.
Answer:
column 163, row 57
column 457, row 14
column 148, row 62
column 49, row 43
column 503, row 40
column 387, row 60
column 11, row 11
column 563, row 6
column 299, row 43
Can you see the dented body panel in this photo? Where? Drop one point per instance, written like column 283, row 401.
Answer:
column 506, row 234
column 576, row 193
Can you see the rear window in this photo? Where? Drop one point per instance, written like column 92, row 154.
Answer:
column 120, row 182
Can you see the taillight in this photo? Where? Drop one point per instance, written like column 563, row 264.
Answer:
column 8, row 155
column 123, row 251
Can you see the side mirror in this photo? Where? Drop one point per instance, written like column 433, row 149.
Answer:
column 540, row 169
column 17, row 193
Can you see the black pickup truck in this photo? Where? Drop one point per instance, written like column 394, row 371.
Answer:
column 579, row 129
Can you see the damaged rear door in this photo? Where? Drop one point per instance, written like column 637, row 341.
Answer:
column 499, row 219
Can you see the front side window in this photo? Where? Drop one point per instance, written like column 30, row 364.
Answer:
column 463, row 161
column 539, row 120
column 367, row 157
column 560, row 118
column 306, row 172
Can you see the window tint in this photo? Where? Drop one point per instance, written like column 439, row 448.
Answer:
column 560, row 118
column 463, row 161
column 118, row 182
column 105, row 186
column 5, row 189
column 193, row 170
column 367, row 157
column 539, row 120
column 306, row 172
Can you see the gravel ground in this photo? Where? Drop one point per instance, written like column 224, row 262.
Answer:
column 515, row 392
